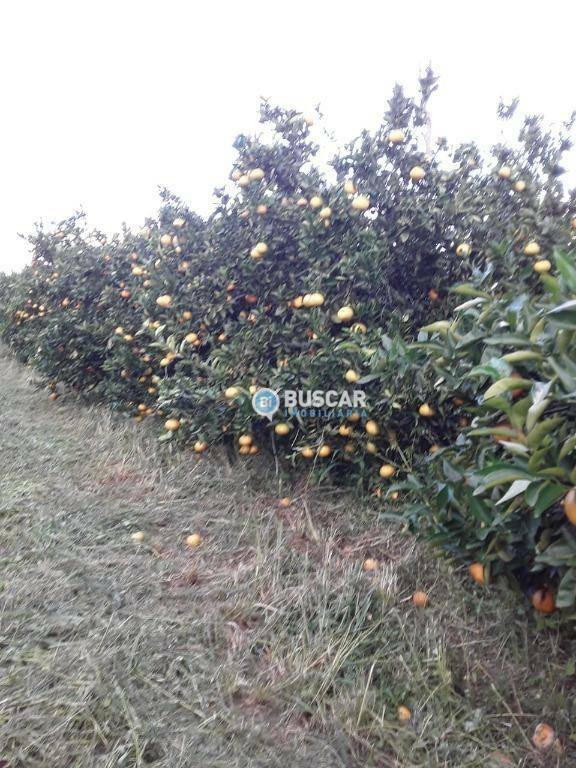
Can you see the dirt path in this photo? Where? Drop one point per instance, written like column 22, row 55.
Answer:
column 266, row 646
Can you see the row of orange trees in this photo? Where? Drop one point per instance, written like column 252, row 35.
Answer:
column 438, row 282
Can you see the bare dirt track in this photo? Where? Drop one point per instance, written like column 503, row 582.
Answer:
column 265, row 646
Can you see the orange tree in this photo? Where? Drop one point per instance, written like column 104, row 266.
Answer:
column 304, row 277
column 506, row 363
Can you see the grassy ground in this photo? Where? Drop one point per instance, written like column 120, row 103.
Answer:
column 267, row 645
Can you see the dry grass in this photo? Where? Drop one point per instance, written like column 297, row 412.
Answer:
column 266, row 646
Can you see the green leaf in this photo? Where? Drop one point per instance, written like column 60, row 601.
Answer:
column 542, row 495
column 568, row 446
column 566, row 595
column 467, row 289
column 507, row 339
column 536, row 435
column 566, row 269
column 517, row 487
column 505, row 385
column 521, row 356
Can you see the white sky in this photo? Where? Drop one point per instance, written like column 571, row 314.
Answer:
column 103, row 101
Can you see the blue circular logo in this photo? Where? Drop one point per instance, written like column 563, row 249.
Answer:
column 265, row 402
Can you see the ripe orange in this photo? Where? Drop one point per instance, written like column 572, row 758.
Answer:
column 426, row 411
column 245, row 440
column 372, row 428
column 504, row 172
column 370, row 564
column 532, row 248
column 171, row 425
column 166, row 241
column 282, row 429
column 325, row 212
column 543, row 601
column 396, row 136
column 544, row 737
column 542, row 265
column 477, row 572
column 351, row 376
column 307, row 452
column 349, row 187
column 417, row 173
column 403, row 714
column 200, row 446
column 286, row 501
column 420, row 599
column 164, row 301
column 344, row 430
column 570, row 505
column 194, row 540
column 53, row 396
column 387, row 470
column 520, row 186
column 345, row 314
column 138, row 536
column 316, row 202
column 361, row 203
column 324, row 451
column 463, row 250
column 313, row 300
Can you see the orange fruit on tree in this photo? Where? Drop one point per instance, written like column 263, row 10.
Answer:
column 372, row 428
column 370, row 564
column 542, row 265
column 387, row 470
column 351, row 376
column 345, row 314
column 532, row 248
column 361, row 203
column 569, row 504
column 543, row 601
column 396, row 136
column 324, row 451
column 417, row 173
column 349, row 187
column 172, row 425
column 282, row 429
column 164, row 300
column 426, row 411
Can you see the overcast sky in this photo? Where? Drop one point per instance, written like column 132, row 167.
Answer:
column 103, row 101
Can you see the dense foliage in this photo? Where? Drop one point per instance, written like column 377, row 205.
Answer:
column 318, row 278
